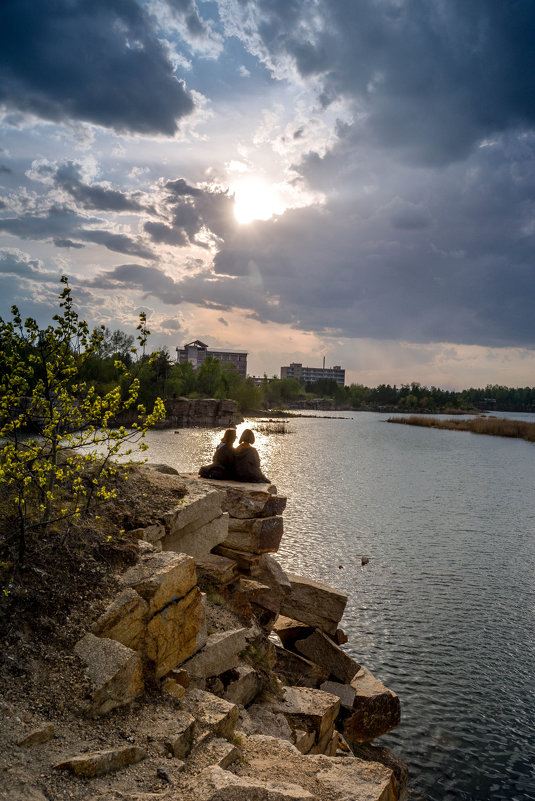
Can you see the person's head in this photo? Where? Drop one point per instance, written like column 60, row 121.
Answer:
column 229, row 436
column 247, row 436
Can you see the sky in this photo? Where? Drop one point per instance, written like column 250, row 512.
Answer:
column 296, row 178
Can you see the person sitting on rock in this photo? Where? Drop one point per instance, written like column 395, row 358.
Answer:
column 248, row 460
column 223, row 461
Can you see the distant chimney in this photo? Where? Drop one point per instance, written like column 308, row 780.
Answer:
column 324, row 362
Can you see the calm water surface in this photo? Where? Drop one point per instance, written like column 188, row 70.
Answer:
column 444, row 611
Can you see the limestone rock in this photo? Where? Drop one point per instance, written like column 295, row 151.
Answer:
column 152, row 533
column 218, row 752
column 244, row 685
column 243, row 499
column 113, row 670
column 173, row 688
column 198, row 540
column 162, row 468
column 37, row 736
column 99, row 763
column 345, row 692
column 247, row 562
column 309, row 709
column 272, row 574
column 400, row 769
column 376, row 709
column 324, row 652
column 211, row 713
column 351, row 779
column 304, row 740
column 161, row 578
column 215, row 784
column 290, row 630
column 314, row 603
column 257, row 535
column 172, row 633
column 218, row 655
column 201, row 505
column 124, row 620
column 219, row 569
column 178, row 739
column 295, row 669
column 261, row 719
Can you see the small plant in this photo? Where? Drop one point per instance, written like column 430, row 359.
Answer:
column 56, row 432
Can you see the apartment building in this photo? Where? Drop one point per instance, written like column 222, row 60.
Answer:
column 196, row 352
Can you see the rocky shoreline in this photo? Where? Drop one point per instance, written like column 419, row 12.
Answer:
column 232, row 670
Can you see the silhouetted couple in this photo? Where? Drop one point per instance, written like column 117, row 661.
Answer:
column 237, row 464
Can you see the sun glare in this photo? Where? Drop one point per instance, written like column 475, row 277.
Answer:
column 255, row 200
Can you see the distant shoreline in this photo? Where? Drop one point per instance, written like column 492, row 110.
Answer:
column 492, row 426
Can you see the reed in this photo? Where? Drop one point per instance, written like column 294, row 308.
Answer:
column 273, row 427
column 493, row 426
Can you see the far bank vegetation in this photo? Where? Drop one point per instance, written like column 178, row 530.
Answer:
column 493, row 426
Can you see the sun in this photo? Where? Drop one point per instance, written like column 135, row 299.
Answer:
column 255, row 200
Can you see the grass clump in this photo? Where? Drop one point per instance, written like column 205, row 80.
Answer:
column 492, row 426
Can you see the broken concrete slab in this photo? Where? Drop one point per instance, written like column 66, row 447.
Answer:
column 376, row 709
column 198, row 540
column 99, row 763
column 124, row 620
column 324, row 652
column 314, row 603
column 114, row 673
column 161, row 578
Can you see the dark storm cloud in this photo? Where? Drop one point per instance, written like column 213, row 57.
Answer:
column 99, row 61
column 457, row 268
column 189, row 211
column 68, row 178
column 62, row 224
column 429, row 79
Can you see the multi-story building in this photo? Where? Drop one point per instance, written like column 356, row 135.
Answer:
column 308, row 375
column 196, row 352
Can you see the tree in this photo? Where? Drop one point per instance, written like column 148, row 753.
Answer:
column 53, row 474
column 209, row 380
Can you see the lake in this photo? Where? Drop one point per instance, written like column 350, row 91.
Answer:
column 444, row 611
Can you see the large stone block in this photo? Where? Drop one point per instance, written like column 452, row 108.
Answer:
column 198, row 541
column 114, row 673
column 215, row 784
column 219, row 654
column 179, row 733
column 295, row 669
column 99, row 763
column 314, row 603
column 376, row 709
column 400, row 769
column 201, row 505
column 243, row 499
column 218, row 569
column 172, row 634
column 161, row 578
column 257, row 535
column 345, row 692
column 324, row 652
column 211, row 713
column 309, row 709
column 247, row 562
column 244, row 685
column 347, row 779
column 124, row 620
column 289, row 631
